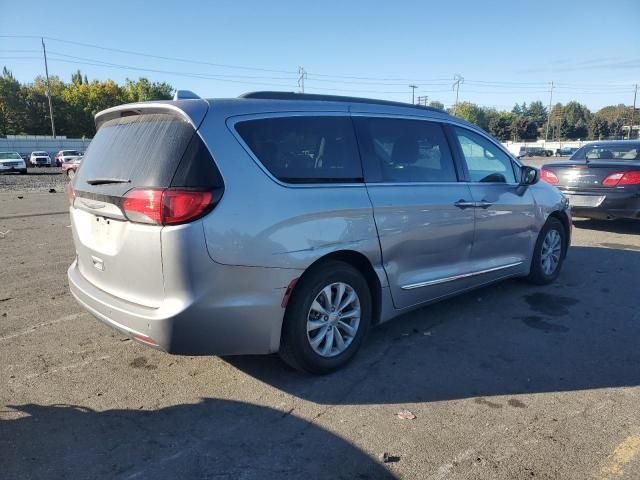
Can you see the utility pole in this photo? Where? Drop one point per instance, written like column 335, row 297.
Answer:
column 422, row 100
column 302, row 75
column 458, row 79
column 46, row 71
column 546, row 135
column 633, row 112
column 413, row 93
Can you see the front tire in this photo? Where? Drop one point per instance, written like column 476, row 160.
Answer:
column 549, row 253
column 327, row 318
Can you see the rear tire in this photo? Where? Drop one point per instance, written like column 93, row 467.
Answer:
column 318, row 336
column 549, row 253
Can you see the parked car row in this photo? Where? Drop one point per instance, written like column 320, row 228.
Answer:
column 13, row 162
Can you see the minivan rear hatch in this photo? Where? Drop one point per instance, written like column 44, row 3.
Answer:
column 140, row 146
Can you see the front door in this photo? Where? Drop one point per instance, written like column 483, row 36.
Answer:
column 422, row 212
column 505, row 217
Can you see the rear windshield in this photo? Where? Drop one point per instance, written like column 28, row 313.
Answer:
column 40, row 154
column 70, row 152
column 609, row 152
column 143, row 150
column 305, row 149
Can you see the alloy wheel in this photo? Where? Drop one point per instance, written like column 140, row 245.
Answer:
column 551, row 251
column 333, row 319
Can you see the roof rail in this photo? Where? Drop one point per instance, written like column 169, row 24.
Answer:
column 267, row 95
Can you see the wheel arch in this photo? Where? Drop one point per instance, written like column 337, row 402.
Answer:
column 566, row 223
column 361, row 263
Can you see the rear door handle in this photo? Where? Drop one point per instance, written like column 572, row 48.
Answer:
column 464, row 204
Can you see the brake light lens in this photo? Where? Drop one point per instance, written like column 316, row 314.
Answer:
column 622, row 178
column 548, row 176
column 71, row 194
column 165, row 206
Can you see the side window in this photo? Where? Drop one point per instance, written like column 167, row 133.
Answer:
column 399, row 150
column 304, row 149
column 485, row 161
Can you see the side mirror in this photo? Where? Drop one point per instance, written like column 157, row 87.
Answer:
column 529, row 175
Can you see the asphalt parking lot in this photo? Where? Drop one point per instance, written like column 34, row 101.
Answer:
column 511, row 381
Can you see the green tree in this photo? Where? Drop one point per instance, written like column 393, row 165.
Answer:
column 436, row 104
column 143, row 90
column 598, row 128
column 12, row 106
column 577, row 117
column 499, row 125
column 471, row 113
column 537, row 113
column 615, row 127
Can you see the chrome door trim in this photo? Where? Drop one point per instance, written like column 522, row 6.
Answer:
column 458, row 277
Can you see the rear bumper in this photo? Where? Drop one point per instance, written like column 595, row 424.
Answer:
column 609, row 205
column 238, row 312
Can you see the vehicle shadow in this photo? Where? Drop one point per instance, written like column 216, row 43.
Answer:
column 506, row 339
column 211, row 439
column 614, row 226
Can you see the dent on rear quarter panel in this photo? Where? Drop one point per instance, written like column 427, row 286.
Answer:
column 262, row 223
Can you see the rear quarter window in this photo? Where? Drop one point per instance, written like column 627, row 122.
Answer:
column 304, row 149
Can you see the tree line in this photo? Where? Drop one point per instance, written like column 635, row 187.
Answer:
column 571, row 121
column 24, row 109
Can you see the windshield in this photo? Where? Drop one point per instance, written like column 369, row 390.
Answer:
column 630, row 151
column 40, row 154
column 9, row 156
column 69, row 152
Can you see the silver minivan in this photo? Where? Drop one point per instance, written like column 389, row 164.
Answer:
column 292, row 223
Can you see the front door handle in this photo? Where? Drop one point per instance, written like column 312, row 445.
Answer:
column 483, row 204
column 464, row 204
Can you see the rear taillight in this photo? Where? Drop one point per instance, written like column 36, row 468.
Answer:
column 71, row 194
column 165, row 206
column 548, row 176
column 622, row 178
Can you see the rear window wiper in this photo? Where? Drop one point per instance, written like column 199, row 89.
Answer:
column 106, row 181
